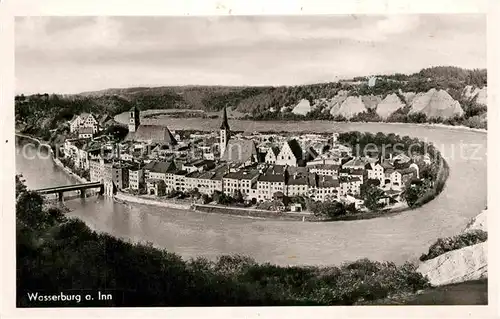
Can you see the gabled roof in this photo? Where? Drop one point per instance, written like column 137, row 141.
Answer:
column 311, row 153
column 275, row 150
column 155, row 133
column 355, row 162
column 295, row 147
column 160, row 167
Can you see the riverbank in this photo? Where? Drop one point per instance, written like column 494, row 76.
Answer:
column 120, row 196
column 56, row 161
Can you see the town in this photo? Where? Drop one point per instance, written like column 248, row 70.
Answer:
column 255, row 168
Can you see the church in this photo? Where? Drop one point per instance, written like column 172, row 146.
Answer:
column 151, row 134
column 239, row 151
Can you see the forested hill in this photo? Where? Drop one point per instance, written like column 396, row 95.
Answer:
column 47, row 110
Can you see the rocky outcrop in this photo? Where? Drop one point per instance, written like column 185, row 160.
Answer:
column 436, row 103
column 371, row 101
column 303, row 107
column 480, row 94
column 334, row 104
column 350, row 107
column 408, row 96
column 478, row 222
column 389, row 105
column 468, row 263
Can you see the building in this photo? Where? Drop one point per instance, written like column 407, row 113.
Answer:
column 375, row 171
column 244, row 181
column 355, row 163
column 76, row 150
column 271, row 182
column 152, row 134
column 84, row 120
column 148, row 134
column 225, row 134
column 290, row 154
column 199, row 165
column 271, row 155
column 240, row 151
column 324, row 169
column 114, row 175
column 134, row 119
column 297, row 184
column 86, row 132
column 136, row 177
column 156, row 187
column 324, row 188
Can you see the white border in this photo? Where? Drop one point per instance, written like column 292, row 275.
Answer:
column 10, row 8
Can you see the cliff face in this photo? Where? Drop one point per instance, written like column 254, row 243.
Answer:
column 389, row 105
column 468, row 263
column 478, row 222
column 480, row 94
column 303, row 107
column 436, row 103
column 351, row 106
column 465, row 264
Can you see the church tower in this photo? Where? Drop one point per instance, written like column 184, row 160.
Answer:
column 134, row 121
column 224, row 133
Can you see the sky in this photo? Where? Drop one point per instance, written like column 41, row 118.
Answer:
column 77, row 54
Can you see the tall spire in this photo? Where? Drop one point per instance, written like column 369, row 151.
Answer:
column 224, row 125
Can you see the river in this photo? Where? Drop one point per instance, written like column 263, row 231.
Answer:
column 395, row 238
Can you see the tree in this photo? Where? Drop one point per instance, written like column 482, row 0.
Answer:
column 412, row 192
column 206, row 199
column 238, row 196
column 372, row 195
column 330, row 209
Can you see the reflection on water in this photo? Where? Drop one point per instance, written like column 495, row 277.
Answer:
column 396, row 238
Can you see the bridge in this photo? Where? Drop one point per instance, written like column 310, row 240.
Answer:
column 60, row 190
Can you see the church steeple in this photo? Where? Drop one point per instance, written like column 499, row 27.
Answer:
column 224, row 133
column 224, row 125
column 134, row 119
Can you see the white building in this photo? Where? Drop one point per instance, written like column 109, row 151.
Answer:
column 84, row 120
column 290, row 154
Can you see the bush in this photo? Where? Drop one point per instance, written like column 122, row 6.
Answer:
column 443, row 245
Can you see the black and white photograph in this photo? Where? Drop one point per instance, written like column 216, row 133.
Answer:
column 250, row 160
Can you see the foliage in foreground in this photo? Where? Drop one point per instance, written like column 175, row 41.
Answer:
column 443, row 245
column 57, row 254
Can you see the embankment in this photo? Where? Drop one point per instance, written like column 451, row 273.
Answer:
column 146, row 201
column 253, row 213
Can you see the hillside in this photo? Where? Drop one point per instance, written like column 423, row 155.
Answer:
column 441, row 94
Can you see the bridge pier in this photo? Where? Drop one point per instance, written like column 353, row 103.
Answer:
column 60, row 196
column 82, row 193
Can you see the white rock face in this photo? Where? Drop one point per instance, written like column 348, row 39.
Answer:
column 371, row 101
column 303, row 107
column 409, row 96
column 436, row 103
column 481, row 95
column 389, row 105
column 351, row 106
column 468, row 263
column 334, row 104
column 478, row 222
